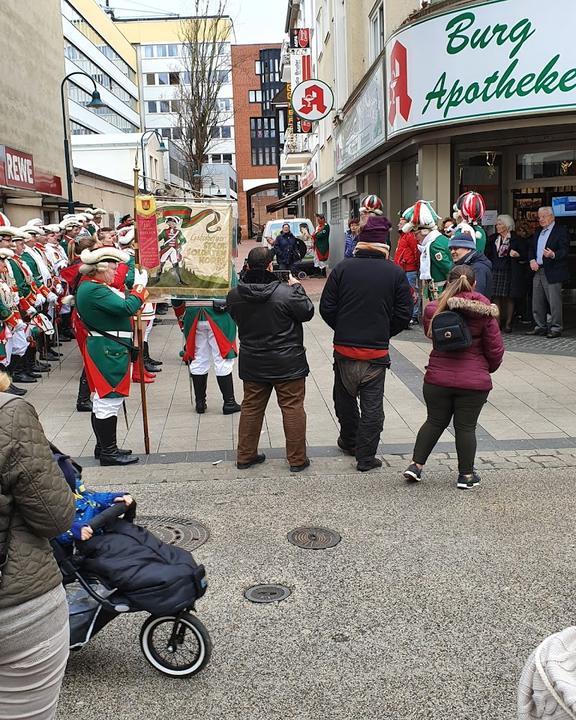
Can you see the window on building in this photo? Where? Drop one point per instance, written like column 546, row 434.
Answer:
column 78, row 129
column 258, row 67
column 161, row 51
column 165, row 132
column 185, row 78
column 255, row 96
column 377, row 32
column 164, row 106
column 80, row 96
column 150, row 79
column 174, row 78
column 223, row 76
column 225, row 132
column 163, row 78
column 152, row 106
column 224, row 104
column 148, row 51
column 174, row 106
column 173, row 50
column 176, row 133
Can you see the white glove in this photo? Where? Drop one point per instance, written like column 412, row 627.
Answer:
column 52, row 298
column 68, row 300
column 58, row 289
column 39, row 300
column 140, row 277
column 15, row 298
column 20, row 325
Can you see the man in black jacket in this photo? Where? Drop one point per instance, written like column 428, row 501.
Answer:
column 463, row 251
column 548, row 255
column 269, row 315
column 366, row 301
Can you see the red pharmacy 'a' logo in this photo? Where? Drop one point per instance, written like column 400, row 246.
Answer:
column 399, row 100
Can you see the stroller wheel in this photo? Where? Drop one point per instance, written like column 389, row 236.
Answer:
column 301, row 275
column 178, row 646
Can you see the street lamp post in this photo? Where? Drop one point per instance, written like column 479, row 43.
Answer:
column 95, row 102
column 161, row 148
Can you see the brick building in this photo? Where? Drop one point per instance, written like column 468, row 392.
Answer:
column 255, row 82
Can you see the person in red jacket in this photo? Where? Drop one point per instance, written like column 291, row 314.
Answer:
column 457, row 383
column 407, row 257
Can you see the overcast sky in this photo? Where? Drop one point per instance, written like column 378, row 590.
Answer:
column 255, row 21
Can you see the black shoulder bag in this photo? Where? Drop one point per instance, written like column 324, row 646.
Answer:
column 450, row 332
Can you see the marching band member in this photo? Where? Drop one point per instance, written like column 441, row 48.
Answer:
column 107, row 315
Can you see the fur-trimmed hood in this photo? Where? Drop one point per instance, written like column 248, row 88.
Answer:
column 473, row 303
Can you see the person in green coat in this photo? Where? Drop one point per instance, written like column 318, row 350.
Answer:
column 106, row 314
column 435, row 260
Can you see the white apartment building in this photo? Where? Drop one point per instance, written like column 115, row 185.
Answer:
column 92, row 44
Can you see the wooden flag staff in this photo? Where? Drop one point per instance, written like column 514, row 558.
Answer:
column 139, row 331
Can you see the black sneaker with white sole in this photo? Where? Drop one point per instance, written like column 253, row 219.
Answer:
column 413, row 473
column 467, row 482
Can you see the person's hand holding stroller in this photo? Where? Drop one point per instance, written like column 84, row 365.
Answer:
column 82, row 531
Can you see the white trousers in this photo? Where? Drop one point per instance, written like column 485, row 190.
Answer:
column 170, row 254
column 104, row 408
column 207, row 350
column 16, row 344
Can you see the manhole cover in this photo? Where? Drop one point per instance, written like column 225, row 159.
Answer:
column 188, row 534
column 267, row 593
column 314, row 538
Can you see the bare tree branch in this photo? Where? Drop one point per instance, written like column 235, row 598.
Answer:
column 207, row 69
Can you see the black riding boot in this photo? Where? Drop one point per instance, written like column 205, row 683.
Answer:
column 83, row 402
column 19, row 371
column 149, row 364
column 200, row 382
column 30, row 362
column 98, row 449
column 105, row 431
column 226, row 385
column 12, row 390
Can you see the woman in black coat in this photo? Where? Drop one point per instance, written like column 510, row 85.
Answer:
column 502, row 251
column 286, row 249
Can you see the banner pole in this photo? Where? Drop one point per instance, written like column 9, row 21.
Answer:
column 139, row 332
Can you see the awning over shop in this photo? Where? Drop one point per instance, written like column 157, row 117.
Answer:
column 287, row 200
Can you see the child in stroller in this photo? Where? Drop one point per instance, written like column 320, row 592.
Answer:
column 112, row 566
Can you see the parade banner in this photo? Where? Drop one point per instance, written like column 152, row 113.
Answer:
column 195, row 246
column 501, row 57
column 147, row 228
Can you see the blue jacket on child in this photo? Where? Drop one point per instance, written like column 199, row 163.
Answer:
column 88, row 505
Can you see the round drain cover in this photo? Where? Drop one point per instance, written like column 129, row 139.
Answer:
column 188, row 534
column 314, row 538
column 267, row 593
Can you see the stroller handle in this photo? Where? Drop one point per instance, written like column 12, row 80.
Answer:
column 106, row 516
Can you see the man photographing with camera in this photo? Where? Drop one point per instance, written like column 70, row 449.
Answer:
column 269, row 315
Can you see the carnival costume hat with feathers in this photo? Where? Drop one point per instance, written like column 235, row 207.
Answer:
column 468, row 211
column 420, row 216
column 372, row 204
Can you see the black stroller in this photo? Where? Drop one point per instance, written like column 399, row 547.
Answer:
column 175, row 643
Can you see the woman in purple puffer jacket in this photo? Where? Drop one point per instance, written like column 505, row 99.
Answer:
column 457, row 383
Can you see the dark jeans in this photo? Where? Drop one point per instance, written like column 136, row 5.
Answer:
column 290, row 396
column 443, row 404
column 360, row 429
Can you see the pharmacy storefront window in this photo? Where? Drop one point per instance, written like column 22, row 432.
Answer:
column 549, row 164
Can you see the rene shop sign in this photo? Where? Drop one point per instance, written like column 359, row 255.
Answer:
column 496, row 58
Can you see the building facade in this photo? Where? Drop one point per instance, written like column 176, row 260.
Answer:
column 32, row 171
column 256, row 82
column 94, row 45
column 436, row 100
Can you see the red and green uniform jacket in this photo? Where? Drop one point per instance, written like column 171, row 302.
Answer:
column 33, row 265
column 322, row 242
column 221, row 324
column 440, row 266
column 107, row 362
column 24, row 283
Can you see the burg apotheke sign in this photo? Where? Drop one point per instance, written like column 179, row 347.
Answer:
column 502, row 57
